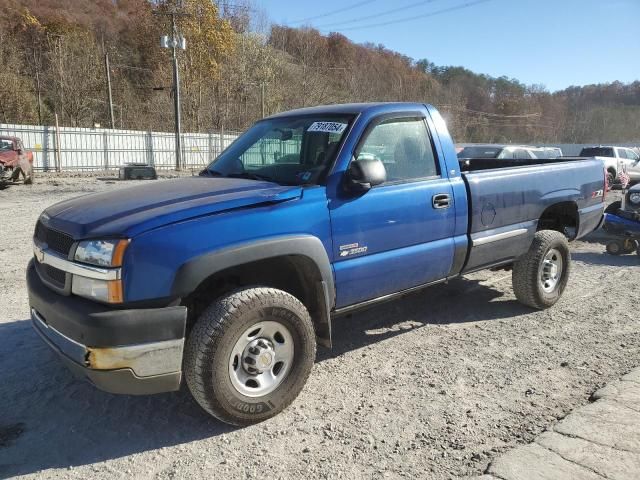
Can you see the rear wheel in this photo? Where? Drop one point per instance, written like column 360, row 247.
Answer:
column 540, row 276
column 611, row 178
column 249, row 355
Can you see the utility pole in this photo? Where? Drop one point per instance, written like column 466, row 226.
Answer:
column 109, row 94
column 262, row 95
column 176, row 93
column 174, row 42
column 35, row 64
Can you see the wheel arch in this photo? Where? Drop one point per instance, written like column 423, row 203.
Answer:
column 561, row 217
column 298, row 265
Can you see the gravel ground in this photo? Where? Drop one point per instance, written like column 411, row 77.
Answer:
column 431, row 386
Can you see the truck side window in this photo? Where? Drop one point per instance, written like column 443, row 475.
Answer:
column 404, row 146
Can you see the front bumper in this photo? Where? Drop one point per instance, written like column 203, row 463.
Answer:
column 133, row 351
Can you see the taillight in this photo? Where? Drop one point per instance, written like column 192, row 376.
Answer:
column 606, row 184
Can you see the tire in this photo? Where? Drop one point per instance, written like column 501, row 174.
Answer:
column 216, row 361
column 28, row 179
column 613, row 207
column 629, row 245
column 536, row 282
column 15, row 175
column 611, row 178
column 615, row 247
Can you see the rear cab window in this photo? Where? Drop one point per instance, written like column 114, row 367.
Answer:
column 597, row 152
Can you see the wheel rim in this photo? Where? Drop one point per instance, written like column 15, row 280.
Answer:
column 552, row 269
column 261, row 359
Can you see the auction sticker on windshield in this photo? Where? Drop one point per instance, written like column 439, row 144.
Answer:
column 327, row 127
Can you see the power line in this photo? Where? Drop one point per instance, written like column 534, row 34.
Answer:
column 488, row 114
column 380, row 14
column 416, row 17
column 333, row 12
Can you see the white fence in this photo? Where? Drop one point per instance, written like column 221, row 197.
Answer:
column 104, row 149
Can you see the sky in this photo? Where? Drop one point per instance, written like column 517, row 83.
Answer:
column 552, row 43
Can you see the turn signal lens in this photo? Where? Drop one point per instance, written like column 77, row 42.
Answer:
column 108, row 291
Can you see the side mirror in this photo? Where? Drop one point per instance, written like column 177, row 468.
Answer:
column 285, row 134
column 365, row 173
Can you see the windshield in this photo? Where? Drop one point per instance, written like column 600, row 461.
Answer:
column 480, row 152
column 597, row 152
column 289, row 150
column 5, row 145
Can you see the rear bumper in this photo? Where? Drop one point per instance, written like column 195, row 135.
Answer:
column 134, row 352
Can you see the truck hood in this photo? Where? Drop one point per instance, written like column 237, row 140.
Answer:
column 130, row 211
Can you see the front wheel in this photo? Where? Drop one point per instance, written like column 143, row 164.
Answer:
column 615, row 248
column 249, row 355
column 540, row 276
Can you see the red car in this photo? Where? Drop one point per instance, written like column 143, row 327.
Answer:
column 14, row 160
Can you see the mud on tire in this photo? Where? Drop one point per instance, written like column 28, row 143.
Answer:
column 533, row 277
column 212, row 346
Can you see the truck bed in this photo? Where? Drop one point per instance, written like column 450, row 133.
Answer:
column 508, row 204
column 476, row 164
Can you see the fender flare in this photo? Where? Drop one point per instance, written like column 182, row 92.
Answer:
column 193, row 272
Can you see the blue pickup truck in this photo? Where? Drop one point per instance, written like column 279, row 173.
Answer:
column 229, row 279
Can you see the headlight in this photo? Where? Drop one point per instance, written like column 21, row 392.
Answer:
column 635, row 198
column 103, row 253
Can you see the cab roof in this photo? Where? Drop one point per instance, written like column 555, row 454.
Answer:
column 350, row 109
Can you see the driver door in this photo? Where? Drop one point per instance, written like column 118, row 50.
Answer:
column 399, row 234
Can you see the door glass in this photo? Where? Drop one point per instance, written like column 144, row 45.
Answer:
column 404, row 146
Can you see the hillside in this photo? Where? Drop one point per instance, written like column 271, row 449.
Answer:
column 56, row 48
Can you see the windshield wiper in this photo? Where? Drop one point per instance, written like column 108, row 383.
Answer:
column 252, row 176
column 210, row 173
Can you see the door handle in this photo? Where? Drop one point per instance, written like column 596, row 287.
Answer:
column 441, row 200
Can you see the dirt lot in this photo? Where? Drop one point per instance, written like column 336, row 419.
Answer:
column 430, row 386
